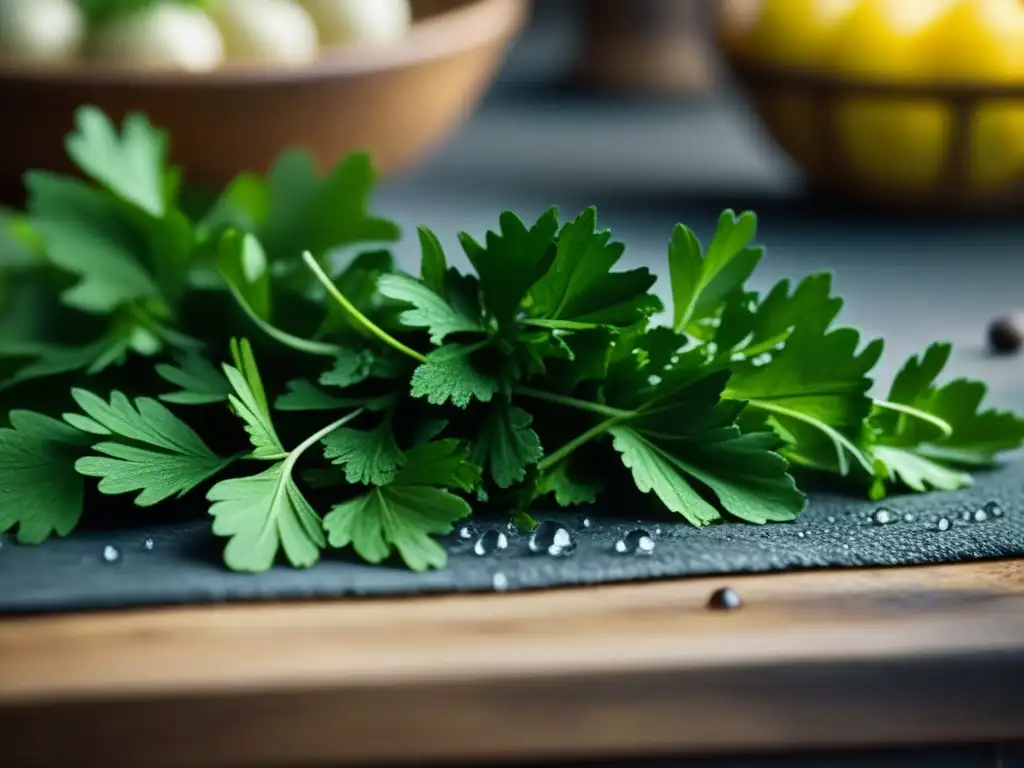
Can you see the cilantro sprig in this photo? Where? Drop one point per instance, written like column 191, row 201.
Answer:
column 263, row 360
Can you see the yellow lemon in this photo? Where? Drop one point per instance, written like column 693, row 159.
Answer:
column 889, row 142
column 796, row 33
column 982, row 41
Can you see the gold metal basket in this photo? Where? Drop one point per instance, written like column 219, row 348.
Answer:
column 812, row 137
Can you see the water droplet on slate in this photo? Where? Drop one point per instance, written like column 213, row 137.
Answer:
column 831, row 518
column 465, row 533
column 980, row 516
column 499, row 582
column 966, row 515
column 908, row 518
column 111, row 554
column 490, row 542
column 943, row 524
column 801, row 535
column 882, row 516
column 657, row 531
column 586, row 522
column 147, row 544
column 725, row 599
column 993, row 509
column 636, row 542
column 553, row 539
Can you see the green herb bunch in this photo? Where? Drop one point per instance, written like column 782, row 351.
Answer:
column 157, row 344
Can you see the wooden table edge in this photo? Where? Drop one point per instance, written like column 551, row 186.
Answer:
column 912, row 656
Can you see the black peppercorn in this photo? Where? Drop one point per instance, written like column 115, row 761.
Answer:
column 725, row 599
column 1006, row 333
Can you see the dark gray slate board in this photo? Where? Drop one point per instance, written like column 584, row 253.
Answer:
column 184, row 564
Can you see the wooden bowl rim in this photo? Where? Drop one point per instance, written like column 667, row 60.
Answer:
column 475, row 23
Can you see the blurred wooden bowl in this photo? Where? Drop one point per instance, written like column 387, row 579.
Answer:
column 398, row 101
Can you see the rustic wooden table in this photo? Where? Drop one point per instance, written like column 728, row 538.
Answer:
column 917, row 656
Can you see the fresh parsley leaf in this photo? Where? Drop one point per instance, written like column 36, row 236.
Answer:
column 568, row 491
column 819, row 380
column 262, row 514
column 83, row 234
column 130, row 165
column 199, row 381
column 700, row 281
column 147, row 448
column 511, row 262
column 352, row 367
column 580, row 288
column 924, row 435
column 431, row 311
column 433, row 262
column 506, row 445
column 40, row 491
column 450, row 376
column 370, row 457
column 405, row 514
column 307, row 212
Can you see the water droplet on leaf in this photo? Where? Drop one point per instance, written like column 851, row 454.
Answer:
column 490, row 542
column 725, row 599
column 553, row 539
column 111, row 554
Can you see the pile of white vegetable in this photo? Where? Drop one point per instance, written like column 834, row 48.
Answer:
column 195, row 35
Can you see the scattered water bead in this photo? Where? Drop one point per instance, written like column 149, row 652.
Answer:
column 490, row 542
column 111, row 554
column 147, row 544
column 993, row 509
column 725, row 599
column 908, row 518
column 553, row 539
column 980, row 516
column 657, row 531
column 636, row 542
column 499, row 582
column 465, row 533
column 943, row 524
column 965, row 515
column 882, row 516
column 831, row 518
column 586, row 522
column 801, row 535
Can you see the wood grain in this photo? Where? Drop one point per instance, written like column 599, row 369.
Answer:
column 834, row 658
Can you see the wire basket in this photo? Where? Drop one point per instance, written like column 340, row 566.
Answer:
column 804, row 112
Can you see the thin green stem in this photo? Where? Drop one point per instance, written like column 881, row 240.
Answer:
column 572, row 402
column 591, row 434
column 915, row 413
column 316, row 437
column 297, row 343
column 356, row 315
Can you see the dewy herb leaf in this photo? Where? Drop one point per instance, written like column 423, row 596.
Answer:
column 925, row 436
column 146, row 448
column 199, row 382
column 512, row 260
column 506, row 445
column 700, row 282
column 405, row 513
column 130, row 165
column 263, row 513
column 370, row 457
column 580, row 287
column 40, row 492
column 128, row 268
column 449, row 375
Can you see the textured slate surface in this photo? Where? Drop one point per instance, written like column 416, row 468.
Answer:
column 184, row 566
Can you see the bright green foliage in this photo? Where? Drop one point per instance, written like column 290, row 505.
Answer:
column 375, row 405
